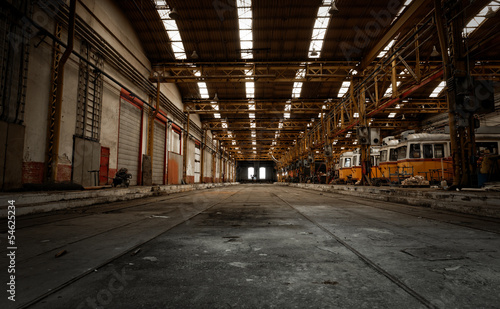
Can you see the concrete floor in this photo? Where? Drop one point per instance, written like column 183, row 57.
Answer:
column 256, row 246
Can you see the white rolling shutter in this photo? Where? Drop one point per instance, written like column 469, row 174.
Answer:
column 197, row 164
column 159, row 153
column 129, row 139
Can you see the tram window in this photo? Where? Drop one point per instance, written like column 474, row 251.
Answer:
column 402, row 152
column 383, row 156
column 414, row 151
column 354, row 161
column 486, row 148
column 439, row 151
column 428, row 151
column 347, row 162
column 393, row 155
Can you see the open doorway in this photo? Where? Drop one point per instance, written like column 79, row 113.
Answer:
column 262, row 173
column 251, row 173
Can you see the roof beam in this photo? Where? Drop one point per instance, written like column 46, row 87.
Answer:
column 392, row 32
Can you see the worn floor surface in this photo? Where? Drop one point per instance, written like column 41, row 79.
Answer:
column 256, row 246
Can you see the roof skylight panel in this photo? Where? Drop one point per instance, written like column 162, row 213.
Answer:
column 343, row 89
column 405, row 5
column 435, row 93
column 173, row 33
column 386, row 49
column 388, row 92
column 203, row 90
column 319, row 30
column 245, row 28
column 297, row 90
column 481, row 17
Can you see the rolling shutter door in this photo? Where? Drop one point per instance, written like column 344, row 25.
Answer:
column 197, row 163
column 159, row 153
column 129, row 139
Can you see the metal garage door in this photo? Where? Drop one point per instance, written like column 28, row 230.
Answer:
column 159, row 153
column 197, row 164
column 129, row 139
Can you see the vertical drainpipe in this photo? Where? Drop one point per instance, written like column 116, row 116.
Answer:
column 202, row 159
column 60, row 87
column 185, row 153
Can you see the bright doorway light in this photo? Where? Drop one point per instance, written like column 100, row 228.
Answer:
column 250, row 173
column 262, row 173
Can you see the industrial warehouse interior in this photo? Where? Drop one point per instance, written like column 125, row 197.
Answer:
column 249, row 154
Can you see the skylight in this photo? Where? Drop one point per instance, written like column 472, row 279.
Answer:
column 172, row 31
column 288, row 109
column 343, row 89
column 214, row 104
column 392, row 115
column 386, row 49
column 250, row 89
column 203, row 90
column 245, row 26
column 297, row 89
column 405, row 5
column 480, row 18
column 435, row 93
column 388, row 92
column 319, row 30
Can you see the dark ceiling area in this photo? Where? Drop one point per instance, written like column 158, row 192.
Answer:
column 355, row 35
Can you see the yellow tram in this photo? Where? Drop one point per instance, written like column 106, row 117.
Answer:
column 350, row 169
column 389, row 158
column 429, row 155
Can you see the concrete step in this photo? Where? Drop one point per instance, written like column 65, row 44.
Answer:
column 34, row 202
column 482, row 203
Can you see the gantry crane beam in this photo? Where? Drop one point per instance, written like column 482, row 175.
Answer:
column 275, row 71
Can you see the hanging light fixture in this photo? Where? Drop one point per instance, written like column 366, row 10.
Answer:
column 314, row 53
column 194, row 55
column 434, row 52
column 490, row 13
column 403, row 118
column 216, row 97
column 333, row 9
column 173, row 14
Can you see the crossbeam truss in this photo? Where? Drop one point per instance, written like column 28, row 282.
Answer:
column 367, row 102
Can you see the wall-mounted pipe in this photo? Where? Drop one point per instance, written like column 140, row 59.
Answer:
column 60, row 87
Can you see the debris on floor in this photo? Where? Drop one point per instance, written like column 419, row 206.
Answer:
column 415, row 181
column 61, row 253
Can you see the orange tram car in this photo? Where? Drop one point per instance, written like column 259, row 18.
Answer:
column 350, row 170
column 424, row 154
